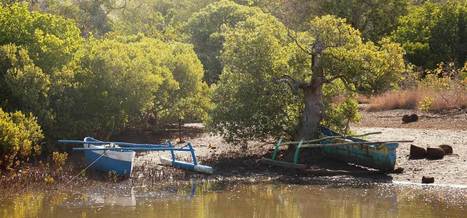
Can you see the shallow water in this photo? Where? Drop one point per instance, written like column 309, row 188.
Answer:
column 216, row 199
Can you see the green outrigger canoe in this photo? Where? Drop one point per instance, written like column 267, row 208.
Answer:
column 376, row 155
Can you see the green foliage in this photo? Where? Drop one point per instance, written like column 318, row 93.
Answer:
column 115, row 83
column 189, row 99
column 434, row 33
column 248, row 103
column 206, row 31
column 257, row 51
column 161, row 19
column 363, row 66
column 51, row 40
column 121, row 80
column 24, row 86
column 59, row 159
column 374, row 18
column 91, row 16
column 426, row 103
column 20, row 136
column 340, row 115
column 443, row 77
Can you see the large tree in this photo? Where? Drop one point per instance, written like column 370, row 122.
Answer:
column 260, row 54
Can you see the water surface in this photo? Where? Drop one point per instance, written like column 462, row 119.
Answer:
column 215, row 199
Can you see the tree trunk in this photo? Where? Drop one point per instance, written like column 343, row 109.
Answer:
column 313, row 97
column 312, row 113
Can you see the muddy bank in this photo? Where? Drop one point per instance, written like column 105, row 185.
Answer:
column 232, row 163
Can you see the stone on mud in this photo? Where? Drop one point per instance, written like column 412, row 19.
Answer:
column 417, row 152
column 410, row 118
column 428, row 179
column 398, row 170
column 434, row 153
column 446, row 148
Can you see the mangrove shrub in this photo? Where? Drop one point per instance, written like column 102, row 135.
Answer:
column 20, row 136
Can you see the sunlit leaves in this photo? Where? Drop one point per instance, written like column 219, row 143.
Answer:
column 19, row 138
column 51, row 40
column 434, row 33
column 206, row 32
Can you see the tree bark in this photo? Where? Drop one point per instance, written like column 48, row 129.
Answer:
column 312, row 112
column 313, row 97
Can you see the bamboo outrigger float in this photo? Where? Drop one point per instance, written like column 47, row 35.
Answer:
column 350, row 149
column 118, row 157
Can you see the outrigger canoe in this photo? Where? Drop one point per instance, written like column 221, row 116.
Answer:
column 377, row 155
column 118, row 161
column 118, row 157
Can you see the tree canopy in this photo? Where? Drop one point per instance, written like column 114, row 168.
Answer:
column 249, row 68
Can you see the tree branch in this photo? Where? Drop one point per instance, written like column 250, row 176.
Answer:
column 294, row 38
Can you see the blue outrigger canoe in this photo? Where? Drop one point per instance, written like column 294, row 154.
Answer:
column 118, row 157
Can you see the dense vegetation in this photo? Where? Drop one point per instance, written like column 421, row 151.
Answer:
column 249, row 68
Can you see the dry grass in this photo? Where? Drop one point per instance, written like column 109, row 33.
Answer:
column 439, row 100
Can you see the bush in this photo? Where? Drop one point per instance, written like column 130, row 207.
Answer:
column 59, row 159
column 441, row 89
column 426, row 103
column 19, row 138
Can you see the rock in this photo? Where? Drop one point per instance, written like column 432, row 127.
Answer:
column 417, row 152
column 398, row 170
column 410, row 118
column 434, row 153
column 446, row 148
column 428, row 179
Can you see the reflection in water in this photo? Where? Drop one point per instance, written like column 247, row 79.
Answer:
column 211, row 199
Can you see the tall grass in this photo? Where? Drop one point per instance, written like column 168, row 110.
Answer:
column 439, row 100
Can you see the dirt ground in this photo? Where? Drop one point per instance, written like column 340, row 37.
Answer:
column 452, row 120
column 452, row 169
column 230, row 160
column 431, row 130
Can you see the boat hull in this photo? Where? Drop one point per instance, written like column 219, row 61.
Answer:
column 377, row 156
column 119, row 162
